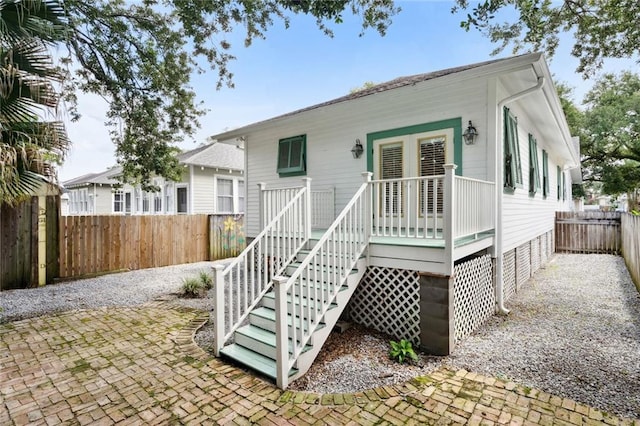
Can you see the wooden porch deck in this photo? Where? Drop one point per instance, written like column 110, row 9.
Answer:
column 438, row 242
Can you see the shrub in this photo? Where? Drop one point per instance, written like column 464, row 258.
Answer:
column 402, row 350
column 206, row 279
column 192, row 287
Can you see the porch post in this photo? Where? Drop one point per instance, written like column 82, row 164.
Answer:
column 261, row 201
column 448, row 221
column 282, row 347
column 218, row 309
column 367, row 207
column 307, row 219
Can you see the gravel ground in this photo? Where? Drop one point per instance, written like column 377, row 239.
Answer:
column 121, row 289
column 573, row 330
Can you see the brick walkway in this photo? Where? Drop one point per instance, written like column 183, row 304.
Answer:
column 140, row 366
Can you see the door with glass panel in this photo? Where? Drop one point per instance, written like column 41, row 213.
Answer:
column 408, row 188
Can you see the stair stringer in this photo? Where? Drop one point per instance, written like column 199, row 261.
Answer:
column 320, row 336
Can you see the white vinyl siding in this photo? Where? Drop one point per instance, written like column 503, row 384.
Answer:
column 332, row 131
column 525, row 217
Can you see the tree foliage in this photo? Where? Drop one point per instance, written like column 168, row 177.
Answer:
column 610, row 136
column 600, row 28
column 28, row 96
column 140, row 57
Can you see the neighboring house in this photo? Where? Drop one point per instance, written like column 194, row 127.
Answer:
column 418, row 224
column 212, row 183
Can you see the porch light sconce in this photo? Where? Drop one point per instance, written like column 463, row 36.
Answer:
column 357, row 149
column 470, row 134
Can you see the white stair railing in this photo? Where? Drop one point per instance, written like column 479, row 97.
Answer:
column 239, row 286
column 310, row 291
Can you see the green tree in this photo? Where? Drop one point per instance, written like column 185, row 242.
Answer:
column 600, row 28
column 28, row 143
column 141, row 55
column 611, row 135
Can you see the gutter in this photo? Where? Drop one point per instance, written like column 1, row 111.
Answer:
column 499, row 190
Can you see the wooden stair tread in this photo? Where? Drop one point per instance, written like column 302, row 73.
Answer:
column 253, row 360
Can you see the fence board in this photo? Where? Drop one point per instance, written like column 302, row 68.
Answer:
column 19, row 262
column 227, row 238
column 631, row 245
column 588, row 232
column 90, row 245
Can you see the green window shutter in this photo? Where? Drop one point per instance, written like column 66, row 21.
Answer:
column 564, row 187
column 559, row 181
column 512, row 163
column 534, row 167
column 292, row 156
column 545, row 174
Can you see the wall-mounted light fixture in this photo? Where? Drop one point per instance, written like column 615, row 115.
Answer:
column 357, row 149
column 470, row 134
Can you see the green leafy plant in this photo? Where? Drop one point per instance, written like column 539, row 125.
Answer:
column 192, row 287
column 402, row 350
column 206, row 279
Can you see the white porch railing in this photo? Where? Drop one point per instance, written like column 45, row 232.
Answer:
column 427, row 207
column 475, row 206
column 239, row 287
column 319, row 278
column 322, row 208
column 408, row 207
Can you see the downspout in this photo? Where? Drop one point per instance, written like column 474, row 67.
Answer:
column 499, row 190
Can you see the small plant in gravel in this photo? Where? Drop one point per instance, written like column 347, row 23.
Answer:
column 192, row 287
column 206, row 279
column 402, row 351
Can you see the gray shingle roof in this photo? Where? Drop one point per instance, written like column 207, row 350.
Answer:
column 213, row 155
column 396, row 83
column 224, row 156
column 107, row 177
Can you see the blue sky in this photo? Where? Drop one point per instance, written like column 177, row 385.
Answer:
column 300, row 66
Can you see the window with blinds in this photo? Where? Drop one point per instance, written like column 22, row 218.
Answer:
column 432, row 157
column 391, row 167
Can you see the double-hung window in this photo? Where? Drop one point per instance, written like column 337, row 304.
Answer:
column 292, row 156
column 225, row 195
column 545, row 174
column 512, row 165
column 534, row 166
column 118, row 202
column 230, row 196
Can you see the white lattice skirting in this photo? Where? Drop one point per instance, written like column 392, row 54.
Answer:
column 520, row 263
column 388, row 300
column 509, row 274
column 473, row 295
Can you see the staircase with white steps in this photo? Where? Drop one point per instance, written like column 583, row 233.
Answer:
column 255, row 343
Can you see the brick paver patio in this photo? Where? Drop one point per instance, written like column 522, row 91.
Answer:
column 140, row 366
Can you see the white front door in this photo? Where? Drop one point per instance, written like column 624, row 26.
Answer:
column 403, row 200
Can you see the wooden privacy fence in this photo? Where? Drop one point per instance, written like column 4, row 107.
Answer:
column 588, row 232
column 631, row 245
column 19, row 263
column 97, row 244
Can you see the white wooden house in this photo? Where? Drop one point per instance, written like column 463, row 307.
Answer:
column 212, row 183
column 413, row 192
